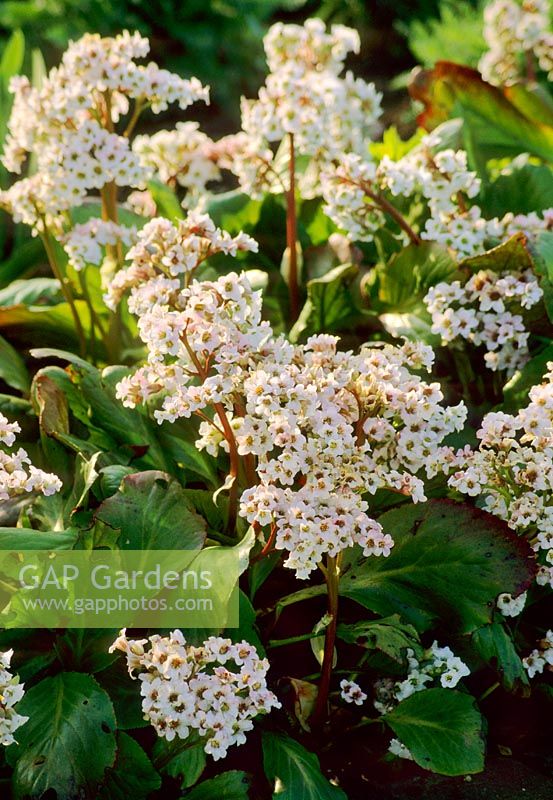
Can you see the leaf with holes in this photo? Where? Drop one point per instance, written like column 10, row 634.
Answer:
column 68, row 741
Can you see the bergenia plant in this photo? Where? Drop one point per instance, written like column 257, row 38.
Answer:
column 337, row 376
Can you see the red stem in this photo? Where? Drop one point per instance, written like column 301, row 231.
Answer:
column 332, row 576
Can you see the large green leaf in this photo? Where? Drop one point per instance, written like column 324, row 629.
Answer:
column 329, row 306
column 495, row 645
column 231, row 785
column 443, row 729
column 68, row 741
column 520, row 191
column 493, row 126
column 12, row 367
column 132, row 775
column 294, row 772
column 449, row 561
column 152, row 513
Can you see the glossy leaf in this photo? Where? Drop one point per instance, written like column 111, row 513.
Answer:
column 68, row 741
column 437, row 544
column 12, row 367
column 443, row 729
column 493, row 124
column 329, row 306
column 133, row 774
column 152, row 513
column 294, row 772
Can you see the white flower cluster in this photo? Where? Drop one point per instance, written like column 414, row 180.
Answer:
column 359, row 191
column 317, row 427
column 511, row 606
column 214, row 691
column 305, row 95
column 540, row 658
column 17, row 474
column 486, row 311
column 353, row 192
column 183, row 156
column 68, row 124
column 518, row 34
column 438, row 665
column 513, row 471
column 164, row 253
column 351, row 692
column 11, row 692
column 86, row 242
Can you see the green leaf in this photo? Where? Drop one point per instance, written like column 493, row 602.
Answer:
column 166, row 200
column 12, row 56
column 393, row 146
column 443, row 729
column 33, row 291
column 28, row 539
column 516, row 391
column 389, row 635
column 495, row 645
column 124, row 694
column 520, row 191
column 152, row 512
column 68, row 742
column 231, row 785
column 51, row 325
column 494, row 126
column 400, row 285
column 24, row 259
column 450, row 561
column 329, row 306
column 457, row 30
column 132, row 775
column 512, row 255
column 181, row 761
column 294, row 772
column 12, row 367
column 234, row 211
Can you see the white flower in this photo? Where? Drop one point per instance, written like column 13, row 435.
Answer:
column 511, row 606
column 215, row 690
column 398, row 749
column 17, row 474
column 351, row 692
column 11, row 692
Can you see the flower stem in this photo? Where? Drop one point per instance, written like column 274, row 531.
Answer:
column 65, row 289
column 392, row 211
column 234, row 465
column 332, row 576
column 292, row 233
